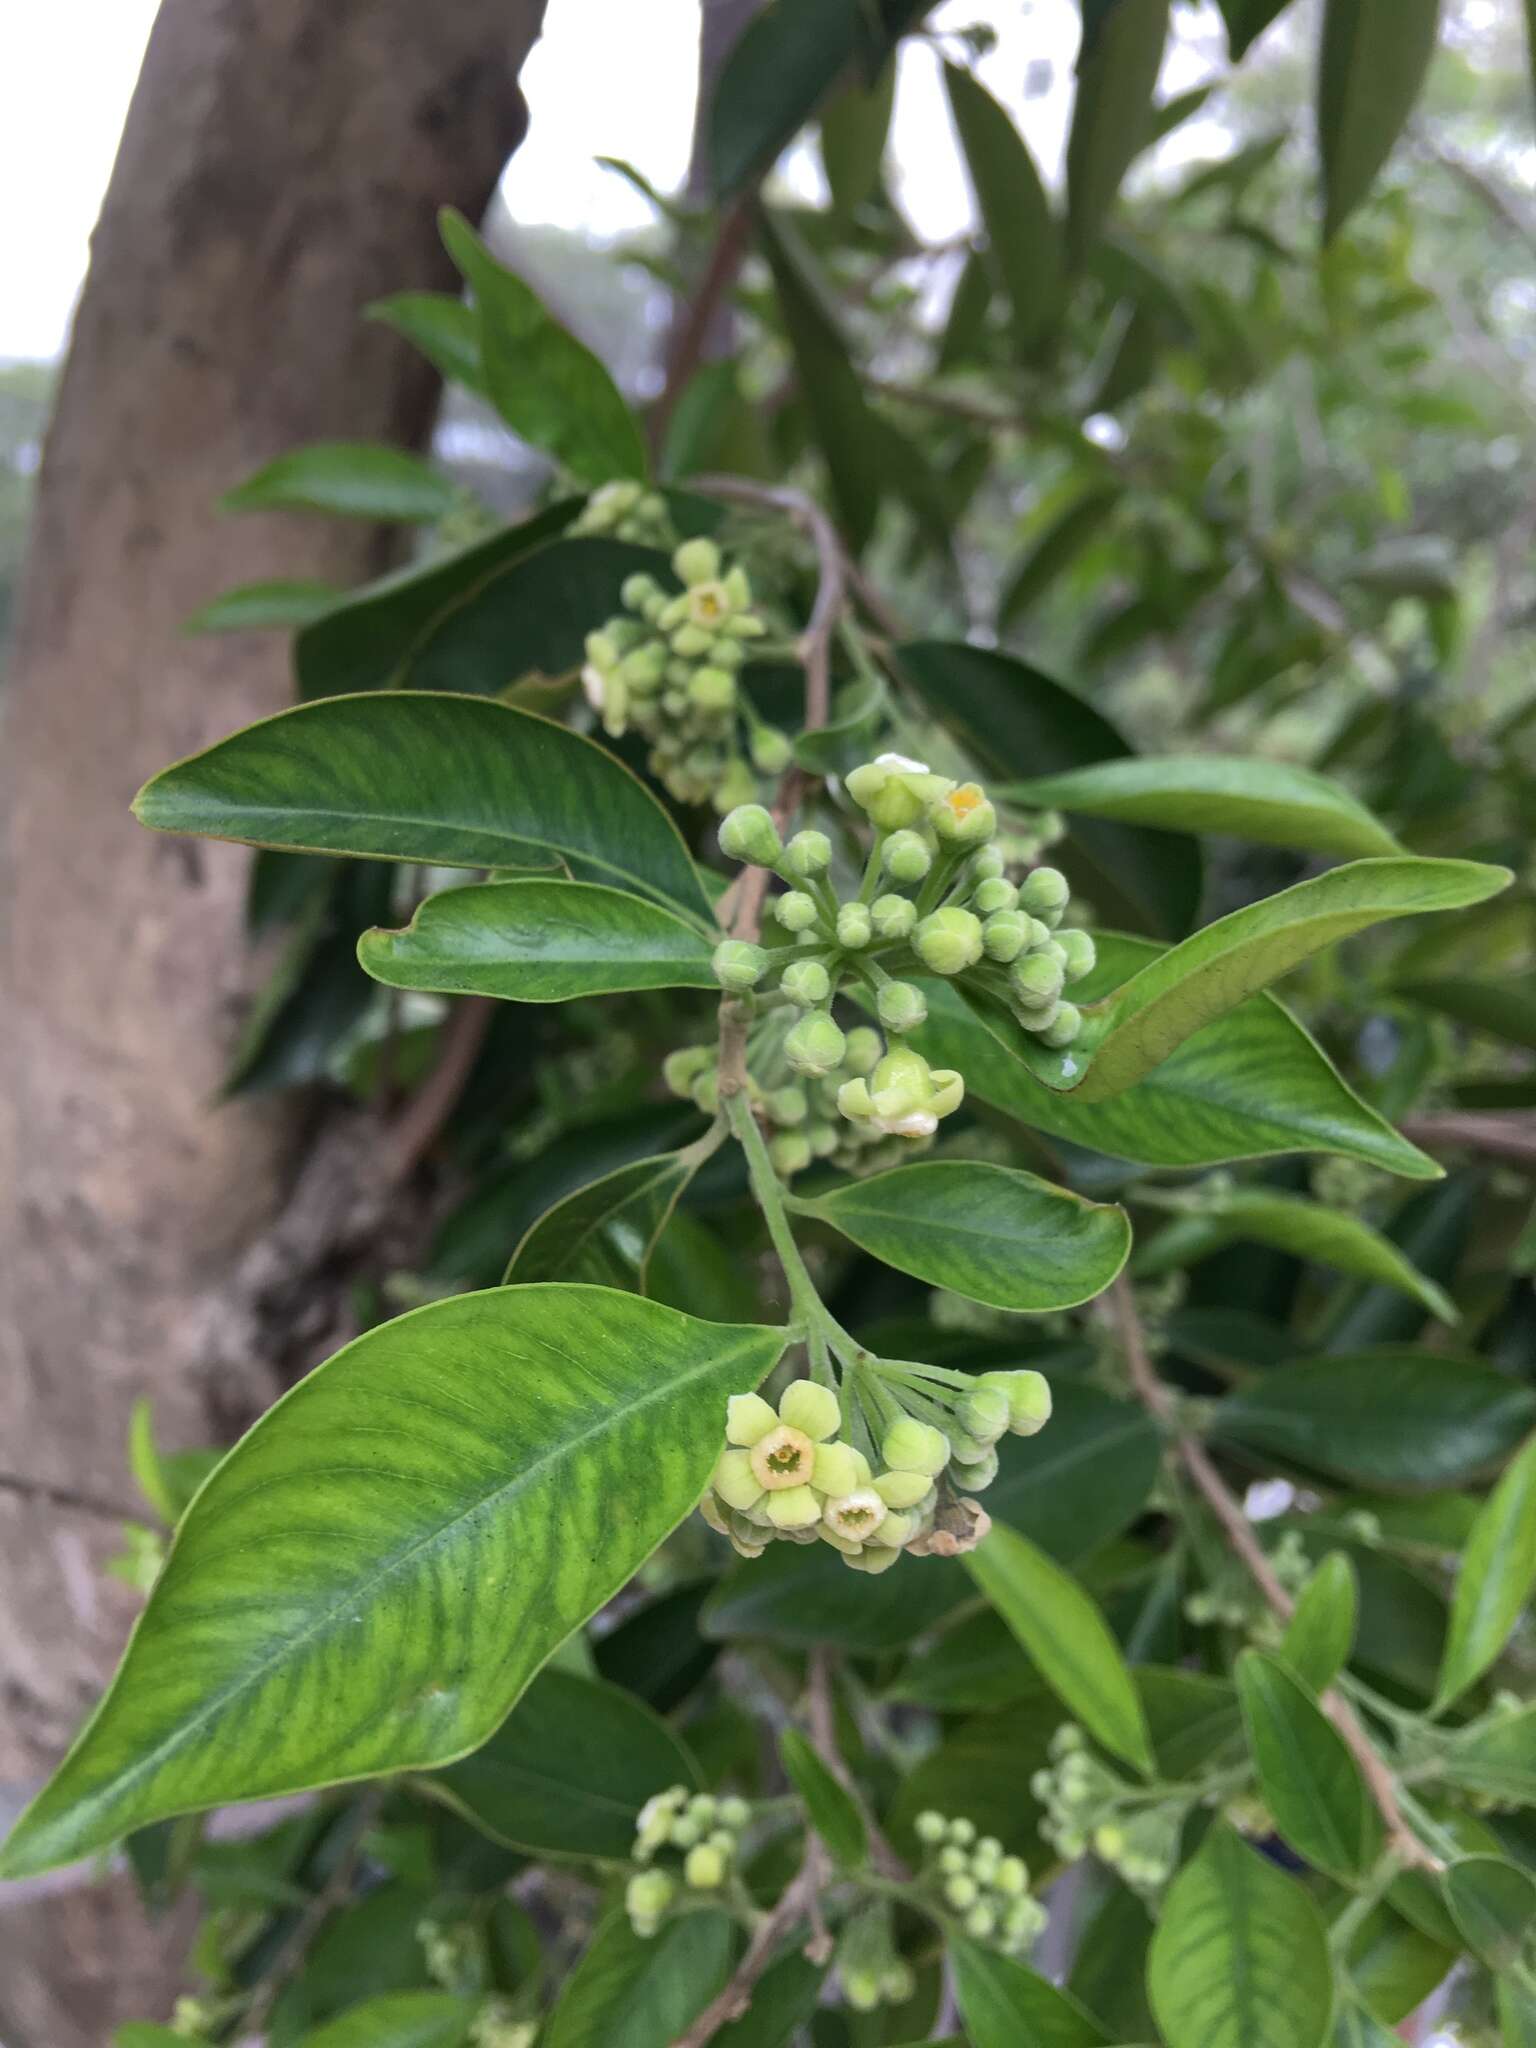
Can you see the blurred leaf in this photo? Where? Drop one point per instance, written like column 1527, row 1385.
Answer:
column 797, row 1595
column 1246, row 21
column 833, row 1813
column 1005, row 2005
column 981, row 1771
column 631, row 1993
column 1084, row 1478
column 854, row 128
column 605, row 1233
column 1394, row 1966
column 167, row 1480
column 1495, row 1578
column 1054, row 551
column 1193, row 1717
column 1023, row 240
column 844, row 740
column 1373, row 57
column 348, row 480
column 399, row 2019
column 1320, row 1634
column 1309, row 1780
column 1494, row 1905
column 443, row 327
column 657, row 1650
column 1112, row 114
column 1497, row 1759
column 1432, row 1229
column 1504, row 1009
column 262, row 607
column 782, row 2002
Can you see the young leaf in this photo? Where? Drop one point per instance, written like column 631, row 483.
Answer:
column 538, row 942
column 1066, row 1635
column 834, row 1814
column 989, row 1232
column 1022, row 237
column 378, row 1568
column 1112, row 114
column 1248, row 1085
column 1246, row 21
column 446, row 781
column 442, row 327
column 630, row 1993
column 1497, row 1573
column 400, row 2019
column 1310, row 1782
column 349, row 480
column 1006, row 2005
column 1263, row 800
column 568, row 1771
column 1493, row 1903
column 548, row 386
column 1320, row 1634
column 1240, row 1957
column 604, row 1234
column 263, row 607
column 1372, row 60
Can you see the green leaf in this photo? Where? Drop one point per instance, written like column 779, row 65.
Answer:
column 1503, row 1009
column 1066, row 1635
column 1357, row 2027
column 1022, row 237
column 1516, row 2001
column 1128, row 1033
column 1248, row 1085
column 800, row 1595
column 1320, row 1634
column 568, row 1771
column 844, row 740
column 443, row 327
column 167, row 1481
column 1494, row 1905
column 348, row 480
column 263, row 607
column 1246, row 21
column 1014, row 721
column 834, row 1814
column 1310, row 1782
column 1194, row 1718
column 539, row 942
column 1264, row 800
column 1497, row 1758
column 1112, row 114
column 399, row 2019
column 605, row 1233
column 1305, row 1229
column 629, row 1993
column 375, row 1572
column 854, row 131
column 1372, row 60
column 548, row 386
column 1240, row 1957
column 442, row 780
column 1494, row 1582
column 981, row 1771
column 1082, row 1479
column 1054, row 551
column 1005, row 2005
column 989, row 1232
column 1408, row 1419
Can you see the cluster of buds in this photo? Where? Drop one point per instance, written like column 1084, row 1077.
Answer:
column 668, row 666
column 988, row 1890
column 787, row 1475
column 627, row 511
column 451, row 1952
column 496, row 2025
column 870, row 1968
column 1089, row 1805
column 704, row 1834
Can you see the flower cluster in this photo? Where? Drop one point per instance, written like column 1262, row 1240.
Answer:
column 786, row 1473
column 1089, row 1804
column 496, row 2025
column 988, row 1890
column 668, row 666
column 705, row 1833
column 870, row 1968
column 627, row 511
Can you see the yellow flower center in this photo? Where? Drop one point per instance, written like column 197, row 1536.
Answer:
column 782, row 1458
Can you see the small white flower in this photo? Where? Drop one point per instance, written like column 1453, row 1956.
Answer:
column 901, row 764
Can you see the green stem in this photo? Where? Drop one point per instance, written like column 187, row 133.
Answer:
column 768, row 1192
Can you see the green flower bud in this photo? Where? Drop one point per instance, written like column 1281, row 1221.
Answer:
column 712, row 689
column 853, row 926
column 788, row 1106
column 737, row 965
column 948, row 941
column 806, row 982
column 897, row 1982
column 964, row 815
column 770, row 749
column 993, row 895
column 961, row 1890
column 808, row 854
column 637, row 591
column 682, row 1068
column 1044, row 893
column 896, row 1531
column 1005, row 935
column 706, row 1091
column 836, row 1470
column 795, row 1508
column 913, row 1446
column 907, row 856
column 901, row 1006
column 902, row 1490
column 962, row 1831
column 648, row 1895
column 790, row 1152
column 736, row 1813
column 824, row 1139
column 749, row 834
column 985, row 1413
column 701, row 1808
column 1012, row 1877
column 892, row 916
column 930, row 1827
column 691, row 641
column 1038, row 1019
column 874, row 1560
column 642, row 666
column 808, row 1406
column 602, row 650
column 738, row 785
column 1064, row 1026
column 1035, row 981
column 697, row 561
column 1029, row 1399
column 704, row 1868
column 865, row 1048
column 1080, row 953
column 815, row 1045
column 893, row 791
column 980, row 1922
column 976, row 1473
column 795, row 910
column 986, row 864
column 861, row 1988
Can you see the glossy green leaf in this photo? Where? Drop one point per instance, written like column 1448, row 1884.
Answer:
column 348, row 480
column 146, row 2034
column 375, row 1572
column 548, row 386
column 1372, row 61
column 1246, row 21
column 1307, row 1230
column 833, row 1812
column 1240, row 1957
column 1250, row 1084
column 1005, row 2005
column 568, row 1771
column 1023, row 239
column 1066, row 1635
column 1112, row 114
column 539, row 942
column 1126, row 1034
column 1503, row 1009
column 1264, row 800
column 605, row 1233
column 443, row 327
column 264, row 607
column 1015, row 721
column 1194, row 1718
column 1495, row 1579
column 1309, row 1780
column 989, row 1232
column 1498, row 1759
column 1408, row 1419
column 1081, row 1480
column 446, row 781
column 399, row 2019
column 1494, row 1905
column 630, row 1993
column 1321, row 1633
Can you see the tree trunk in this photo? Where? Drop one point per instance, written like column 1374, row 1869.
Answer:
column 281, row 166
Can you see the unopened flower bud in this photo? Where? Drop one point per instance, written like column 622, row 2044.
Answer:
column 738, row 785
column 790, row 1152
column 808, row 854
column 901, row 1006
column 1029, row 1399
column 770, row 749
column 853, row 926
column 892, row 916
column 913, row 1446
column 902, row 1490
column 806, row 982
column 897, row 1982
column 1012, row 1877
column 861, row 1988
column 985, row 1413
column 704, row 1867
column 648, row 1895
column 964, row 815
column 795, row 910
column 738, row 965
column 952, row 1859
column 1064, row 1026
column 978, row 1472
column 864, row 1050
column 808, row 1406
column 929, row 1827
column 907, row 856
column 960, row 1890
column 1044, row 893
column 815, row 1045
column 1081, row 955
column 749, row 834
column 1035, row 980
column 994, row 895
column 980, row 1922
column 948, row 941
column 986, row 864
column 735, row 1813
column 712, row 689
column 1005, row 935
column 897, row 1530
column 697, row 561
column 682, row 1068
column 788, row 1105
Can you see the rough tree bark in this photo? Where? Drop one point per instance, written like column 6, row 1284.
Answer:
column 281, row 166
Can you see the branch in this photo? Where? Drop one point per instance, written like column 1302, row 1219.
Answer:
column 420, row 1123
column 1501, row 1137
column 333, row 1893
column 1238, row 1530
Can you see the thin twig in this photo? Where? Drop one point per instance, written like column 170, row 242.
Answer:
column 685, row 350
column 333, row 1893
column 795, row 1903
column 821, row 1717
column 1501, row 1137
column 66, row 1497
column 1238, row 1530
column 421, row 1122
